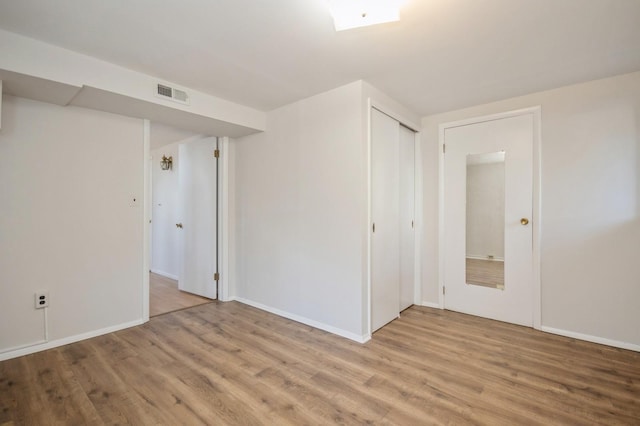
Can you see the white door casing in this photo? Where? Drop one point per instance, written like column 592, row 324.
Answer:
column 514, row 135
column 198, row 216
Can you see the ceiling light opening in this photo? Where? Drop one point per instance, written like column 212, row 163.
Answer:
column 349, row 14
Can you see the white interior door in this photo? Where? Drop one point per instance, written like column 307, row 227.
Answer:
column 385, row 206
column 407, row 209
column 468, row 147
column 197, row 182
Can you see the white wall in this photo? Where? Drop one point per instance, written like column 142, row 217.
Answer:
column 165, row 254
column 301, row 209
column 485, row 210
column 590, row 189
column 66, row 225
column 300, row 212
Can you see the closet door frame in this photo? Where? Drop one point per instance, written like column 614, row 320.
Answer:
column 411, row 124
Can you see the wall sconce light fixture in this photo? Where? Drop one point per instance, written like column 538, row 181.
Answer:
column 166, row 163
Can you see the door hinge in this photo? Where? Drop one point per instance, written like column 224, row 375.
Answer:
column 216, row 153
column 444, row 148
column 443, row 290
column 216, row 276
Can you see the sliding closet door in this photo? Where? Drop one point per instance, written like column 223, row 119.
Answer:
column 407, row 209
column 385, row 213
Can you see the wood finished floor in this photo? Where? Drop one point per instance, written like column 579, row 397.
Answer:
column 227, row 363
column 165, row 297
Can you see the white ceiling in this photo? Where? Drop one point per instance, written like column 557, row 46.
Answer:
column 442, row 55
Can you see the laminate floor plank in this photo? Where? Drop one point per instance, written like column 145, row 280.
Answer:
column 101, row 379
column 490, row 376
column 220, row 364
column 231, row 364
column 55, row 390
column 142, row 340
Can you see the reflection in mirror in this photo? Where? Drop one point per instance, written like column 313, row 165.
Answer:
column 485, row 220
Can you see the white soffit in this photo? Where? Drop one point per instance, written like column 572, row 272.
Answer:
column 38, row 89
column 54, row 92
column 94, row 98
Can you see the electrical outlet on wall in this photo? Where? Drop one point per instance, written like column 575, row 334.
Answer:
column 42, row 299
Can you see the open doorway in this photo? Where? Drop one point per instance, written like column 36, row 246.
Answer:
column 183, row 231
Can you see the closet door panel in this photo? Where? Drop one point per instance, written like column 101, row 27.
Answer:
column 385, row 238
column 406, row 224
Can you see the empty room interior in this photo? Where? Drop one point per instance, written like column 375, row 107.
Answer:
column 320, row 212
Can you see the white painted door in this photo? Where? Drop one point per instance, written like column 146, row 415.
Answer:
column 385, row 207
column 407, row 209
column 465, row 145
column 198, row 217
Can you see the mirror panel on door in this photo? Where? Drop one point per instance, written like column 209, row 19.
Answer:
column 485, row 219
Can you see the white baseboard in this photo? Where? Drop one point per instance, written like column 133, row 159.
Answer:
column 165, row 274
column 593, row 339
column 37, row 347
column 431, row 304
column 316, row 324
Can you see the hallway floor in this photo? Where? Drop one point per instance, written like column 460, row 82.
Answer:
column 164, row 296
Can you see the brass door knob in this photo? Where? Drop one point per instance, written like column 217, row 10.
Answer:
column 524, row 221
column 179, row 225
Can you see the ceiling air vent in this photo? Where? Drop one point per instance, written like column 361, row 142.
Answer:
column 173, row 94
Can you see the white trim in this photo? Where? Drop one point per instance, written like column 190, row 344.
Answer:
column 537, row 215
column 431, row 304
column 386, row 109
column 441, row 216
column 537, row 196
column 369, row 215
column 315, row 324
column 223, row 219
column 490, row 117
column 146, row 216
column 65, row 341
column 165, row 274
column 21, row 347
column 417, row 219
column 590, row 338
